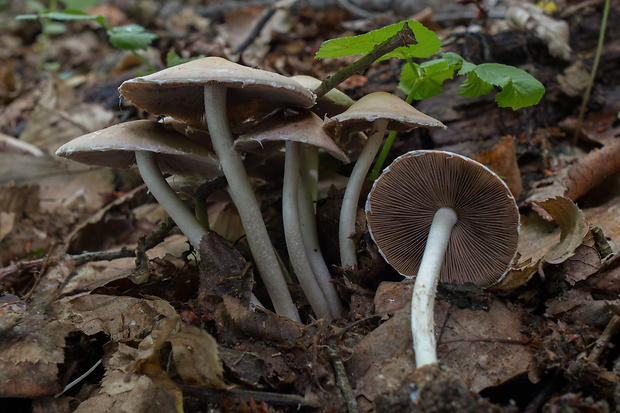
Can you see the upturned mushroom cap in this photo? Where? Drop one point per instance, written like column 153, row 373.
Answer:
column 376, row 106
column 178, row 92
column 115, row 146
column 303, row 127
column 403, row 201
column 330, row 104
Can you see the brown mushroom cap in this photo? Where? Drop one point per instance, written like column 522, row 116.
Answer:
column 375, row 106
column 401, row 206
column 115, row 146
column 303, row 127
column 253, row 94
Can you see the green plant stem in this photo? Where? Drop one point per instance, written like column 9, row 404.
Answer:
column 597, row 58
column 144, row 61
column 44, row 38
column 404, row 37
column 376, row 170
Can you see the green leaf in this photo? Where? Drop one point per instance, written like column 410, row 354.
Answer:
column 426, row 78
column 131, row 37
column 519, row 88
column 79, row 4
column 64, row 15
column 427, row 43
column 473, row 86
column 173, row 59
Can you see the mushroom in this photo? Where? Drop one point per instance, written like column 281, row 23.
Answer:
column 297, row 129
column 443, row 217
column 377, row 112
column 153, row 148
column 184, row 92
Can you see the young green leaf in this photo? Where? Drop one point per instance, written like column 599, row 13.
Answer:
column 426, row 78
column 427, row 43
column 79, row 4
column 473, row 86
column 519, row 88
column 131, row 37
column 64, row 15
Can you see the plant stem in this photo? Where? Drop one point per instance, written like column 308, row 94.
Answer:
column 292, row 232
column 423, row 300
column 346, row 225
column 404, row 37
column 242, row 194
column 597, row 58
column 376, row 170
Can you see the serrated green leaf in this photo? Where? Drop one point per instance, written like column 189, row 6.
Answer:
column 427, row 43
column 131, row 37
column 473, row 86
column 519, row 88
column 426, row 78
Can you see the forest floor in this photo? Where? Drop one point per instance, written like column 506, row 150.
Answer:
column 94, row 279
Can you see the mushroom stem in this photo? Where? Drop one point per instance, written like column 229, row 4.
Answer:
column 348, row 211
column 307, row 222
column 243, row 197
column 292, row 233
column 154, row 180
column 423, row 300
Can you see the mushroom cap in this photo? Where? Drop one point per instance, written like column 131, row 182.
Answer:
column 303, row 127
column 115, row 146
column 375, row 106
column 253, row 94
column 404, row 199
column 330, row 104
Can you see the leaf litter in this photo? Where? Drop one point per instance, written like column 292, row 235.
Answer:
column 173, row 335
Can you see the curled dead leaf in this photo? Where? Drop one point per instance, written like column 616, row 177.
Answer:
column 590, row 171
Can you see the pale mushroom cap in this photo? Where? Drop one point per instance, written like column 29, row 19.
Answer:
column 303, row 127
column 115, row 146
column 403, row 201
column 375, row 106
column 330, row 104
column 178, row 91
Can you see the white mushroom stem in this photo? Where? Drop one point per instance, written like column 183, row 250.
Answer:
column 348, row 212
column 292, row 233
column 242, row 194
column 167, row 198
column 423, row 300
column 307, row 223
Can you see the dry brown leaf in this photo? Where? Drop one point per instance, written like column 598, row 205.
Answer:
column 502, row 159
column 485, row 348
column 196, row 357
column 590, row 171
column 30, row 353
column 122, row 318
column 572, row 225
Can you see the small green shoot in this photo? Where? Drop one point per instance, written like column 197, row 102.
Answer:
column 424, row 80
column 131, row 37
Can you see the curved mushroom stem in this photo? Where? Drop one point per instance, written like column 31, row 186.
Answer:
column 307, row 222
column 154, row 180
column 242, row 194
column 346, row 225
column 292, row 233
column 423, row 300
column 167, row 198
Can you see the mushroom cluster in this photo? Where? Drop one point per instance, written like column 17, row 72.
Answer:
column 441, row 216
column 217, row 118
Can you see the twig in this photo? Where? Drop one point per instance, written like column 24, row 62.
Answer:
column 404, row 37
column 262, row 21
column 597, row 58
column 603, row 341
column 341, row 378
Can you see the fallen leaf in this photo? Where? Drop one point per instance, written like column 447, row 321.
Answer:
column 572, row 225
column 502, row 159
column 196, row 357
column 590, row 171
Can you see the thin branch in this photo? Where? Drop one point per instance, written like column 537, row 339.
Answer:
column 403, row 38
